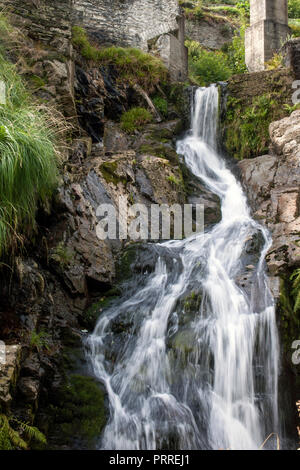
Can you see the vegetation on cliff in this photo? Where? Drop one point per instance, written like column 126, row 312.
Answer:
column 134, row 66
column 253, row 102
column 29, row 155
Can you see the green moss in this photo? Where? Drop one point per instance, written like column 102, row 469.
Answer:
column 175, row 181
column 134, row 66
column 178, row 99
column 161, row 151
column 89, row 318
column 109, row 173
column 192, row 302
column 123, row 268
column 80, row 410
column 135, row 119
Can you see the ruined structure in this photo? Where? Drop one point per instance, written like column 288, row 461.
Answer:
column 147, row 24
column 151, row 25
column 268, row 30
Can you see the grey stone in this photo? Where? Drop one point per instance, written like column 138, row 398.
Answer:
column 268, row 30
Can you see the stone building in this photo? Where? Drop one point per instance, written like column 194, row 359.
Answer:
column 268, row 31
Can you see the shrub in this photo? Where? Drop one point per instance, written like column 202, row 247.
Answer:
column 276, row 62
column 29, row 159
column 295, row 27
column 135, row 119
column 294, row 8
column 162, row 105
column 236, row 52
column 133, row 65
column 207, row 67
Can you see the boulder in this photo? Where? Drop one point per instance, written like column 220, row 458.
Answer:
column 272, row 185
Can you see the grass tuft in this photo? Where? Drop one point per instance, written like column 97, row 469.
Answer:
column 134, row 66
column 135, row 119
column 28, row 157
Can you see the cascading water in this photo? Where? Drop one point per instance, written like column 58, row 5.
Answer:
column 202, row 377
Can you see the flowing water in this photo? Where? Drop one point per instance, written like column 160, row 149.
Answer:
column 197, row 366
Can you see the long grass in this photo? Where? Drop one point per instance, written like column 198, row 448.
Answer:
column 134, row 66
column 28, row 159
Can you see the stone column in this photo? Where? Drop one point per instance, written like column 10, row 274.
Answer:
column 267, row 33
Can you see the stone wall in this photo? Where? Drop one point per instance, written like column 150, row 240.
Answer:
column 211, row 34
column 138, row 23
column 48, row 28
column 131, row 22
column 268, row 29
column 291, row 54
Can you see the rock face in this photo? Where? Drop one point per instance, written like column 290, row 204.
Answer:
column 209, row 33
column 9, row 372
column 272, row 184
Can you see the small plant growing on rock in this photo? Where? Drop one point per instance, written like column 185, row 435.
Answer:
column 39, row 340
column 162, row 105
column 10, row 438
column 133, row 65
column 295, row 278
column 135, row 119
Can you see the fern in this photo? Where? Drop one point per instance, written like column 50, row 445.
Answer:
column 295, row 278
column 11, row 439
column 33, row 433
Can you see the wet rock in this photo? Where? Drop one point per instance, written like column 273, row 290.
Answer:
column 29, row 388
column 272, row 184
column 9, row 371
column 114, row 139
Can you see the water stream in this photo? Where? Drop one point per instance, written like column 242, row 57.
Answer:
column 197, row 367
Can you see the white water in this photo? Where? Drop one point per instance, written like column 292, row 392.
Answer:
column 206, row 380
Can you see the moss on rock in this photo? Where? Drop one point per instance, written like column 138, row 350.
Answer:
column 79, row 411
column 254, row 101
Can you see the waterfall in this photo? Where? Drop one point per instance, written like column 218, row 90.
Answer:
column 197, row 366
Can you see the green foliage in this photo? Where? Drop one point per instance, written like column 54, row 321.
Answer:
column 133, row 65
column 29, row 159
column 295, row 278
column 295, row 27
column 162, row 105
column 291, row 109
column 10, row 439
column 294, row 8
column 135, row 119
column 80, row 410
column 205, row 66
column 62, row 254
column 39, row 340
column 276, row 62
column 236, row 52
column 175, row 181
column 247, row 133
